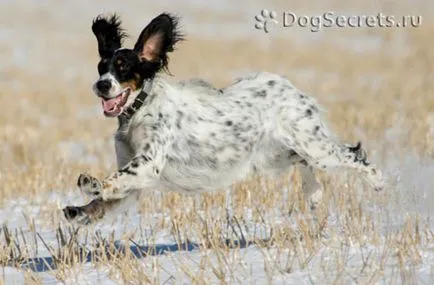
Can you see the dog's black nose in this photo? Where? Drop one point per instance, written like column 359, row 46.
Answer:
column 103, row 86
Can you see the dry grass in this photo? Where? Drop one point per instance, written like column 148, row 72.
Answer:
column 52, row 130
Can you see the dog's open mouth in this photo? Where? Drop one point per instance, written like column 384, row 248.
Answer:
column 113, row 107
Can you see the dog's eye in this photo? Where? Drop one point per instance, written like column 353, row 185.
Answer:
column 123, row 67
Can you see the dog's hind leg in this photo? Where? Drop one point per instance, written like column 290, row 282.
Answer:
column 302, row 130
column 311, row 141
column 323, row 153
column 283, row 162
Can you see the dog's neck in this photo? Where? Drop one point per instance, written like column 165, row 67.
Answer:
column 129, row 112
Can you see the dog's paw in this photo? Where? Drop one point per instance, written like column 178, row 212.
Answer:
column 76, row 215
column 89, row 185
column 87, row 214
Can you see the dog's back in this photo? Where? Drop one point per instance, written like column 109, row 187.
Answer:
column 217, row 139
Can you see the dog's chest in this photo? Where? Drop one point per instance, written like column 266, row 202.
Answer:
column 125, row 150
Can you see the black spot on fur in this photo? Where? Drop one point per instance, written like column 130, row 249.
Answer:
column 261, row 93
column 145, row 158
column 271, row 83
column 291, row 153
column 314, row 108
column 315, row 130
column 355, row 148
column 212, row 162
column 308, row 112
column 179, row 118
column 86, row 180
column 128, row 171
column 228, row 123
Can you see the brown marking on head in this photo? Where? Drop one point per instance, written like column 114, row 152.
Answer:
column 134, row 83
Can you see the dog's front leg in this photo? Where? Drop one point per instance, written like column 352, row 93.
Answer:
column 119, row 189
column 98, row 209
column 141, row 172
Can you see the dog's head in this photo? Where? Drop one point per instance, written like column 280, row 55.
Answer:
column 123, row 71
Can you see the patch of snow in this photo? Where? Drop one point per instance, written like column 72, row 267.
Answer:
column 12, row 276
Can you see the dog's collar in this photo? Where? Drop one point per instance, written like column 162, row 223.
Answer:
column 138, row 102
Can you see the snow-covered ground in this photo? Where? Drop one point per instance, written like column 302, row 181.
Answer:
column 410, row 196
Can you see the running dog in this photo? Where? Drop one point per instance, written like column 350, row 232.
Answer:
column 191, row 137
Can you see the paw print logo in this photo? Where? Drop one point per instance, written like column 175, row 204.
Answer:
column 264, row 19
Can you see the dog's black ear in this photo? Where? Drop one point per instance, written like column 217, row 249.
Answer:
column 108, row 33
column 158, row 38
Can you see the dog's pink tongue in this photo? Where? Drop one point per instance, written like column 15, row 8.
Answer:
column 109, row 105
